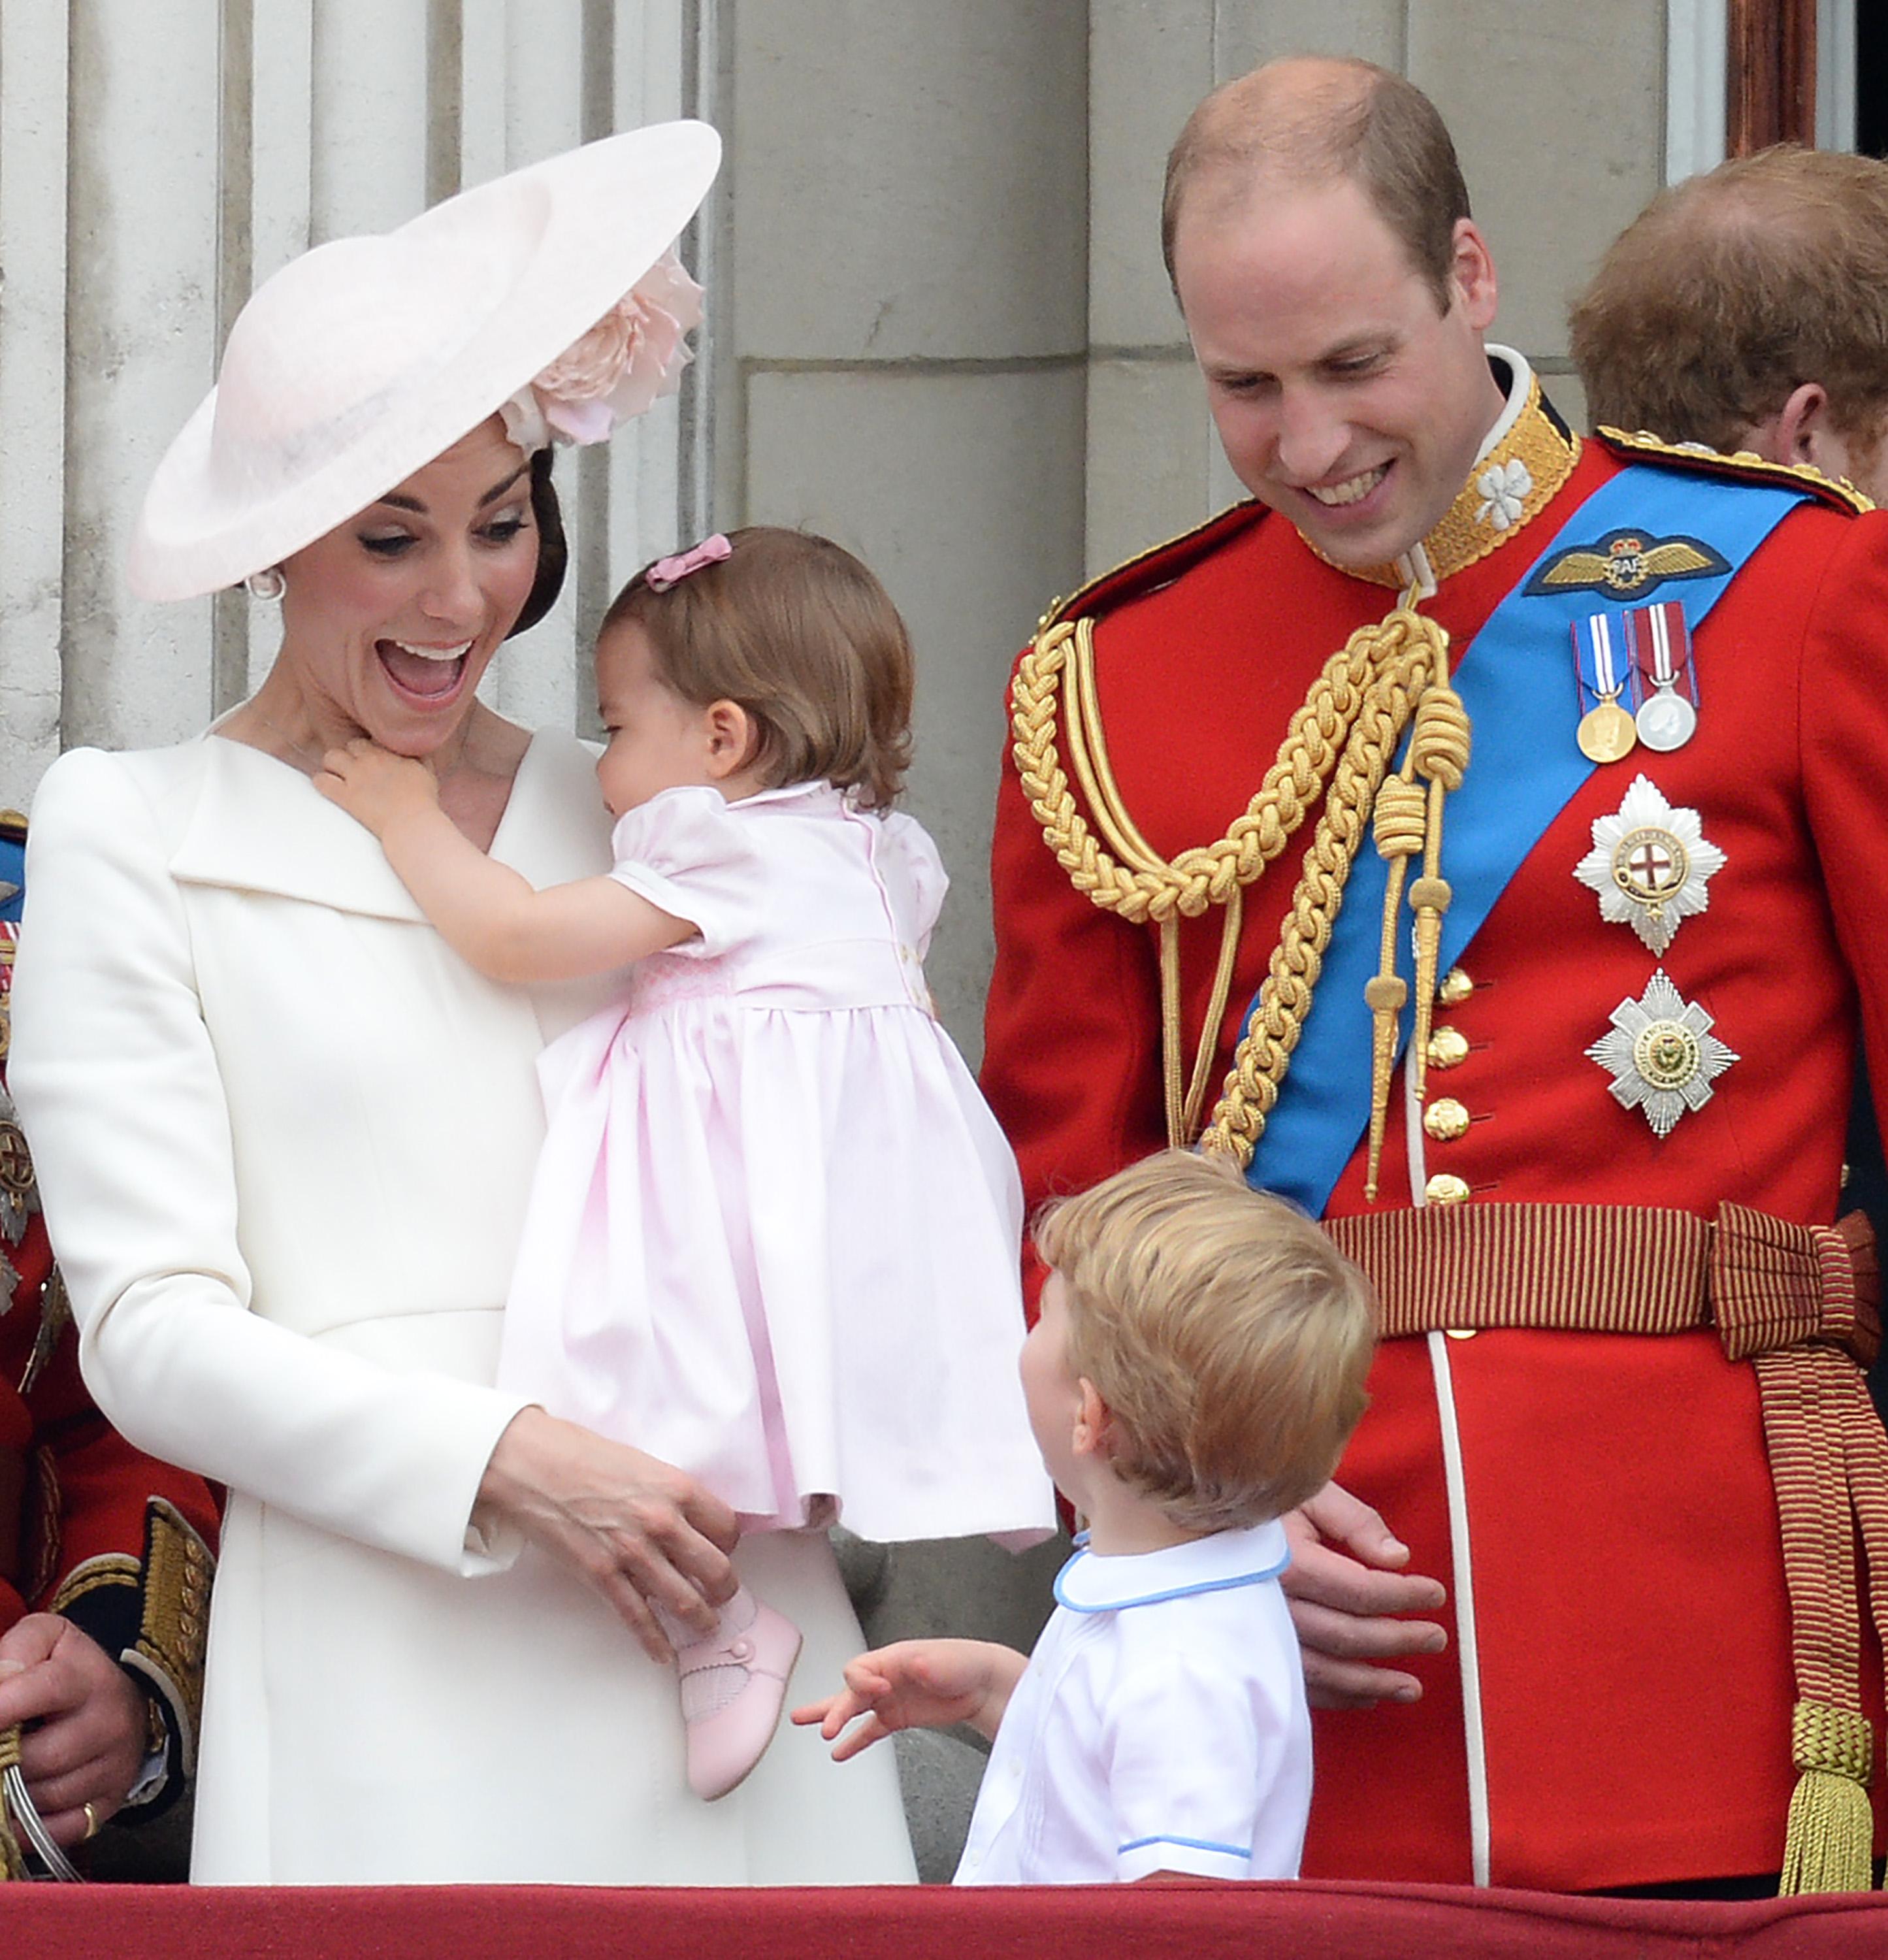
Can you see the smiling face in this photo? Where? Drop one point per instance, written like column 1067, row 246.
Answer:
column 1345, row 399
column 390, row 621
column 658, row 740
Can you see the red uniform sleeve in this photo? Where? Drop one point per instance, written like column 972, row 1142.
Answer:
column 1072, row 1062
column 1843, row 718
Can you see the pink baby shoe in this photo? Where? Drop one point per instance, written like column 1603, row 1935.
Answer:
column 733, row 1686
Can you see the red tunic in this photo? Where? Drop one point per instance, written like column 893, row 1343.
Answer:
column 1632, row 1634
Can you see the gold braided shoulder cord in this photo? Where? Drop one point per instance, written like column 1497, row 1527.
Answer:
column 1409, row 667
column 1345, row 735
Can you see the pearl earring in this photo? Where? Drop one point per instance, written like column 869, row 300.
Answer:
column 268, row 585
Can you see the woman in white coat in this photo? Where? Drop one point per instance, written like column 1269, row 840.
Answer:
column 285, row 1135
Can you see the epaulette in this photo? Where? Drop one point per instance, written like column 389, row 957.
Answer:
column 1741, row 466
column 1160, row 565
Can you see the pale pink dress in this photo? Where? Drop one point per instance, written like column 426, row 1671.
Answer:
column 773, row 1237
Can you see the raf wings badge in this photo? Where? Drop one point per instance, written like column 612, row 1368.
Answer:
column 1627, row 565
column 1650, row 864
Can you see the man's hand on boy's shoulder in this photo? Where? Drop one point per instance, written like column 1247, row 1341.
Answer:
column 1347, row 1603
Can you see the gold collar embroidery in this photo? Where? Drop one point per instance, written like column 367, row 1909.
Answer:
column 1510, row 487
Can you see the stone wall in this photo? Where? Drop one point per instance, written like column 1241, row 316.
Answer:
column 159, row 158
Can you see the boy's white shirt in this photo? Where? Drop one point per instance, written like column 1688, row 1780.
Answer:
column 1161, row 1725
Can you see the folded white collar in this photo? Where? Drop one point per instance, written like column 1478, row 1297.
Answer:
column 259, row 824
column 1092, row 1583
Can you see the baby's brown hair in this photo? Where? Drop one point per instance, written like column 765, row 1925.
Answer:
column 794, row 630
column 1228, row 1337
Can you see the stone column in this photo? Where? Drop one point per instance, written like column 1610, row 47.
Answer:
column 902, row 329
column 159, row 158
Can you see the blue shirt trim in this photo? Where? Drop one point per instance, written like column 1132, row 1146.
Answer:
column 1189, row 1844
column 1172, row 1593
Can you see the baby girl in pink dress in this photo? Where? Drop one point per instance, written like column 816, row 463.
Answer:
column 773, row 1237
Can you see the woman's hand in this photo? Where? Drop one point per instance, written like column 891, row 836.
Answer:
column 1343, row 1606
column 917, row 1685
column 374, row 786
column 86, row 1738
column 641, row 1532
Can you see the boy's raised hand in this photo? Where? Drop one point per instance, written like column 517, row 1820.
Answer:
column 374, row 786
column 916, row 1684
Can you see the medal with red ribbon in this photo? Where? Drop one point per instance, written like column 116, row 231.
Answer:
column 1667, row 689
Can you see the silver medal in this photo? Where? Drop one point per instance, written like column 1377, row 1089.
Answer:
column 1651, row 864
column 1666, row 720
column 1661, row 1055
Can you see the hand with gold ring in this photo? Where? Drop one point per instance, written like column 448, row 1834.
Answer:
column 83, row 1722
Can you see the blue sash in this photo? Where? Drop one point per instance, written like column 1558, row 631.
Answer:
column 1519, row 686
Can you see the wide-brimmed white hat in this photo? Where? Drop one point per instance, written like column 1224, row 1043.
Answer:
column 359, row 362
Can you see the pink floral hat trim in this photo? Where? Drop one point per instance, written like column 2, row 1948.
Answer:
column 632, row 356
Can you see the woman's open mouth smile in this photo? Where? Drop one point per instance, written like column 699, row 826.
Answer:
column 430, row 674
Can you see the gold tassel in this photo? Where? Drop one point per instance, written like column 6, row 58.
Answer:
column 1829, row 1844
column 1409, row 821
column 1398, row 826
column 1439, row 749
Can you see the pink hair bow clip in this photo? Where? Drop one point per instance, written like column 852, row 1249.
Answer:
column 668, row 571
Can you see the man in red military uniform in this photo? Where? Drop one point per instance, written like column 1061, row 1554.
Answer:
column 1744, row 309
column 105, row 1559
column 1629, row 820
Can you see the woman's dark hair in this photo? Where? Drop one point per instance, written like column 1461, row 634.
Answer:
column 553, row 554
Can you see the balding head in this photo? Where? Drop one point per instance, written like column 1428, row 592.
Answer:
column 1732, row 289
column 1309, row 119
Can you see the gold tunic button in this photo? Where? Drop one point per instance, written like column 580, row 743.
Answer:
column 1445, row 1120
column 1456, row 987
column 1446, row 1187
column 1447, row 1046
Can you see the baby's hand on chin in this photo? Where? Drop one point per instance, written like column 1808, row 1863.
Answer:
column 373, row 784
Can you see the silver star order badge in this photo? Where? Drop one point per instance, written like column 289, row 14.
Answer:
column 1650, row 864
column 1661, row 1054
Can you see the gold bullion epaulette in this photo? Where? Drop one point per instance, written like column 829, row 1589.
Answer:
column 1159, row 564
column 1742, row 466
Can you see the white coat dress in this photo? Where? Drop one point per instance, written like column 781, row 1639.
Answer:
column 284, row 1136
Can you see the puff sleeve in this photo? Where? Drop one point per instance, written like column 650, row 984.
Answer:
column 684, row 851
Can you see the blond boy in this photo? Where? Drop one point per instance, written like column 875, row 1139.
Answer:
column 1197, row 1368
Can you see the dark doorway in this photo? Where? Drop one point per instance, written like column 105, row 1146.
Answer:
column 1871, row 80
